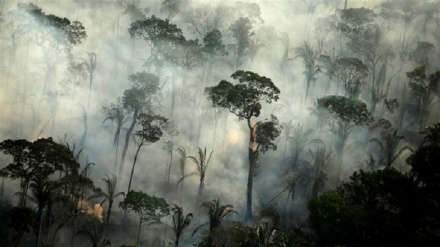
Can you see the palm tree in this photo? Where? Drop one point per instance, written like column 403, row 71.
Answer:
column 182, row 162
column 115, row 114
column 180, row 222
column 265, row 235
column 90, row 65
column 217, row 213
column 321, row 114
column 320, row 159
column 389, row 146
column 202, row 165
column 309, row 57
column 300, row 139
column 110, row 195
column 431, row 135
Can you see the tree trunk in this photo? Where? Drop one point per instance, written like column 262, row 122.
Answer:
column 109, row 211
column 169, row 166
column 252, row 163
column 139, row 231
column 127, row 140
column 38, row 227
column 132, row 169
column 252, row 156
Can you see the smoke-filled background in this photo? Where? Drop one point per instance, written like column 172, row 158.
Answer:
column 71, row 85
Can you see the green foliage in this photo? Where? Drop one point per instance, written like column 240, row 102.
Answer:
column 213, row 43
column 241, row 31
column 21, row 220
column 180, row 221
column 243, row 99
column 155, row 30
column 422, row 85
column 151, row 131
column 347, row 111
column 149, row 208
column 34, row 162
column 266, row 132
column 54, row 30
column 142, row 93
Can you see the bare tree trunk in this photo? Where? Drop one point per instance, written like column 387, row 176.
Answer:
column 252, row 156
column 127, row 140
column 132, row 169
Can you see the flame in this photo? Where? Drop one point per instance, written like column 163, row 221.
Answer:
column 254, row 144
column 253, row 133
column 85, row 208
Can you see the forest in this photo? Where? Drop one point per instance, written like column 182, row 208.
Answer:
column 284, row 123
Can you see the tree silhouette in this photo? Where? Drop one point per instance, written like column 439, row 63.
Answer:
column 202, row 165
column 140, row 97
column 149, row 208
column 151, row 132
column 110, row 194
column 389, row 144
column 180, row 221
column 309, row 57
column 216, row 213
column 241, row 31
column 424, row 89
column 347, row 114
column 244, row 100
column 34, row 161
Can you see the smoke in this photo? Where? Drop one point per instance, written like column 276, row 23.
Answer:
column 61, row 111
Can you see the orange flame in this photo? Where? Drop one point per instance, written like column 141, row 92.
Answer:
column 85, row 208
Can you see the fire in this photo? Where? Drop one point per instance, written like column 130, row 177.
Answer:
column 96, row 211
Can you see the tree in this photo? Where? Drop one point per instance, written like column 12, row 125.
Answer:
column 35, row 161
column 21, row 220
column 162, row 36
column 110, row 194
column 373, row 208
column 389, row 145
column 149, row 208
column 115, row 113
column 202, row 165
column 241, row 31
column 170, row 130
column 350, row 71
column 140, row 97
column 424, row 88
column 244, row 100
column 403, row 12
column 309, row 57
column 90, row 64
column 151, row 132
column 347, row 113
column 217, row 213
column 370, row 45
column 53, row 34
column 180, row 222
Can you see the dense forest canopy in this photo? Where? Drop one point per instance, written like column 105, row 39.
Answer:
column 219, row 123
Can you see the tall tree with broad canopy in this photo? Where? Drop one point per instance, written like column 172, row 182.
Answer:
column 140, row 97
column 151, row 132
column 244, row 100
column 347, row 114
column 149, row 208
column 34, row 161
column 54, row 35
column 242, row 32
